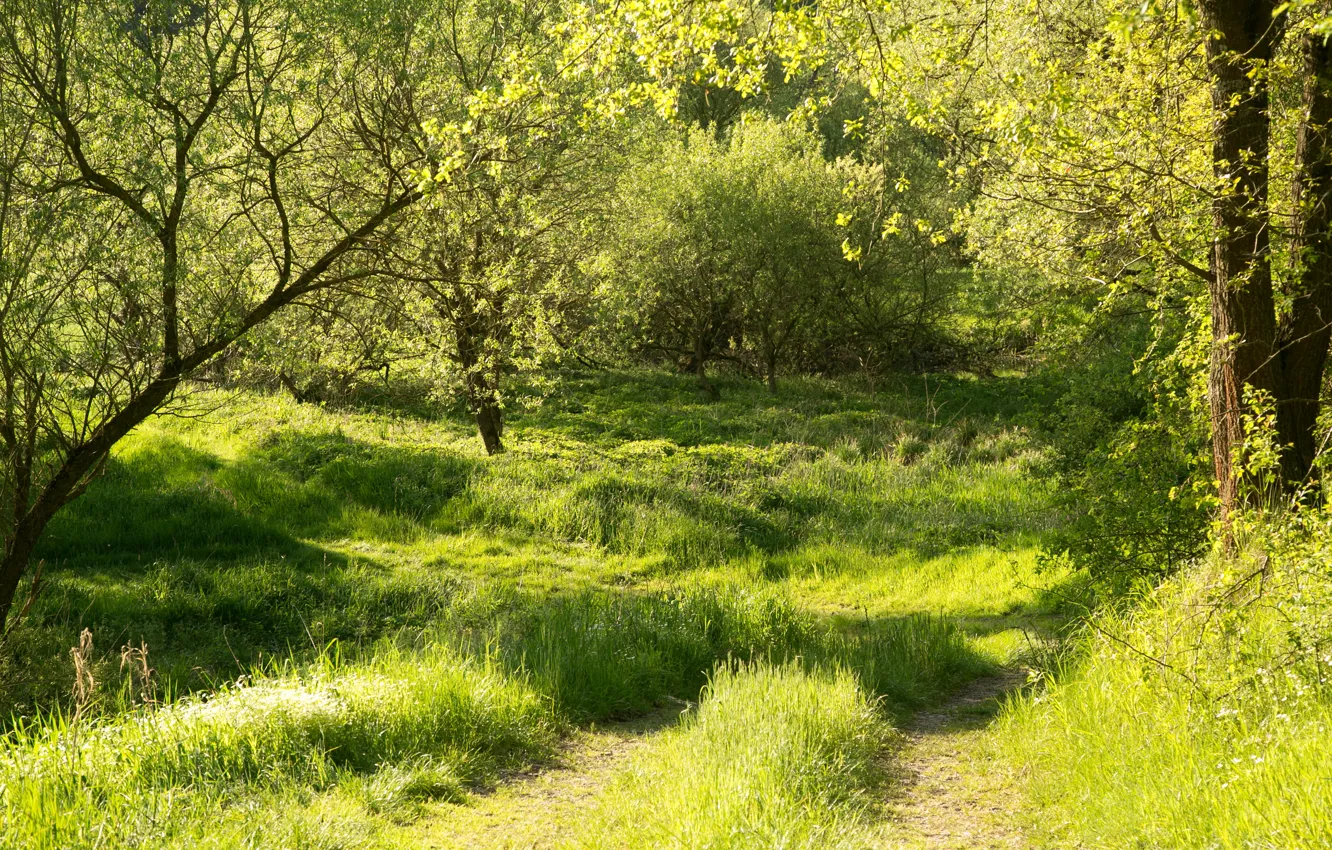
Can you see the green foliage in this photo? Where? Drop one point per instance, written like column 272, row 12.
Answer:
column 1132, row 462
column 1201, row 719
column 734, row 248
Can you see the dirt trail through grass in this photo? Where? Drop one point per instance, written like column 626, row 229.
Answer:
column 535, row 811
column 948, row 792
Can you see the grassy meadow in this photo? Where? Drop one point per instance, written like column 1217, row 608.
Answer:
column 306, row 624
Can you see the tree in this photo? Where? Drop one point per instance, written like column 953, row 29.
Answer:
column 487, row 255
column 174, row 174
column 1178, row 151
column 1281, row 352
column 1109, row 125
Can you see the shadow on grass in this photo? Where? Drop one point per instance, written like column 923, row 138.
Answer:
column 167, row 498
column 627, row 405
column 216, row 566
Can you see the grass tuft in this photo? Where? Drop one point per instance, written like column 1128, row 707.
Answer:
column 774, row 756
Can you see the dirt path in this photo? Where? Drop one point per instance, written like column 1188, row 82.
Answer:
column 531, row 811
column 948, row 791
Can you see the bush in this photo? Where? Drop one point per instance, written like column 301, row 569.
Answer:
column 1132, row 464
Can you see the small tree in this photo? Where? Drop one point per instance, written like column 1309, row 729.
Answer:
column 485, row 257
column 174, row 174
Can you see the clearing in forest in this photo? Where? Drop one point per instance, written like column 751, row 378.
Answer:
column 374, row 635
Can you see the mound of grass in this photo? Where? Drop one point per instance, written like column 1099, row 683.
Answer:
column 773, row 757
column 604, row 657
column 423, row 725
column 910, row 662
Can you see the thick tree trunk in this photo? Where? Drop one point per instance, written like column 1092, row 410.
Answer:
column 772, row 373
column 13, row 565
column 490, row 424
column 1304, row 335
column 1241, row 43
column 482, row 397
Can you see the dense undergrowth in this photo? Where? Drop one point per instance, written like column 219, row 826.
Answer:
column 1201, row 717
column 304, row 623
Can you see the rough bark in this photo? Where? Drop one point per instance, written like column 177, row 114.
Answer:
column 1243, row 37
column 700, row 364
column 490, row 424
column 482, row 398
column 1304, row 332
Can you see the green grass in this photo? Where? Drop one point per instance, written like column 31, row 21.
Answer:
column 265, row 529
column 353, row 743
column 632, row 539
column 192, row 773
column 1201, row 719
column 773, row 757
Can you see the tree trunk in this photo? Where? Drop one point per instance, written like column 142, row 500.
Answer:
column 482, row 398
column 490, row 423
column 1241, row 43
column 701, row 368
column 1303, row 335
column 81, row 464
column 13, row 565
column 772, row 373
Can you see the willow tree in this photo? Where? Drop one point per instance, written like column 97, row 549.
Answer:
column 173, row 174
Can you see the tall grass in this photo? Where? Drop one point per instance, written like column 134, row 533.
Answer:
column 273, row 529
column 436, row 717
column 1201, row 720
column 773, row 757
column 177, row 773
column 632, row 539
column 602, row 656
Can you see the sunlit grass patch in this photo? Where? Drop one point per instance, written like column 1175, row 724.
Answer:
column 1183, row 725
column 266, row 528
column 435, row 721
column 772, row 757
column 344, row 743
column 968, row 582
